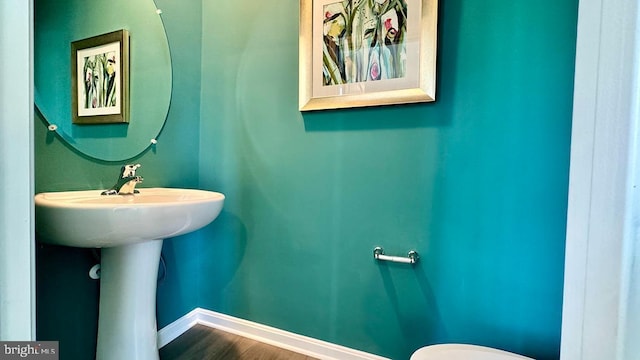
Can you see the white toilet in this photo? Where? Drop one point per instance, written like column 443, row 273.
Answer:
column 463, row 352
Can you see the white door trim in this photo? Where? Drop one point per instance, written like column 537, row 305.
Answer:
column 602, row 210
column 17, row 245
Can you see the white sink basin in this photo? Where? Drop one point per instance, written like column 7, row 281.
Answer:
column 130, row 230
column 88, row 219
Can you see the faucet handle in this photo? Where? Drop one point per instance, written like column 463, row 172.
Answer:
column 126, row 183
column 129, row 170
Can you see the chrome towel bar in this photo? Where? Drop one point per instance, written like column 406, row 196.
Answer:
column 412, row 256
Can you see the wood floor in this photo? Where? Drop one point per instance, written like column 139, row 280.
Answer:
column 204, row 343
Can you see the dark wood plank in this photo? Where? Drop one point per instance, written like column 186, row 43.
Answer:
column 204, row 343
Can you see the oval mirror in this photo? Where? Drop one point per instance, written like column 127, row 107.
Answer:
column 57, row 24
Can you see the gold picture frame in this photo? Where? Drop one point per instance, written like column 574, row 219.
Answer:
column 100, row 79
column 356, row 53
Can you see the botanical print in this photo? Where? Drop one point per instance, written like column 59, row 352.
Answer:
column 364, row 40
column 99, row 80
column 100, row 75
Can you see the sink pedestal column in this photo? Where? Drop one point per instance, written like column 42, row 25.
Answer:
column 127, row 322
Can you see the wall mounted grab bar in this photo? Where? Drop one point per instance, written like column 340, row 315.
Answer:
column 412, row 256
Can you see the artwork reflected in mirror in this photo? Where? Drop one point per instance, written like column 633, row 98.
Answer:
column 100, row 79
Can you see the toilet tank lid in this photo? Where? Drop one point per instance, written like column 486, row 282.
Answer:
column 463, row 352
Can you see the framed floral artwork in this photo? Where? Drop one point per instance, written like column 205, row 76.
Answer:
column 356, row 53
column 100, row 79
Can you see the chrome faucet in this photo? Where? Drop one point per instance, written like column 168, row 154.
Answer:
column 127, row 181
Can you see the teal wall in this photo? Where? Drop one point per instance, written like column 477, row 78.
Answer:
column 475, row 182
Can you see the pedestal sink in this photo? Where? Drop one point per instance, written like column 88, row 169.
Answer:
column 130, row 230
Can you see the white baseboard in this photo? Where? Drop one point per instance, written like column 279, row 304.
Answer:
column 170, row 332
column 283, row 339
